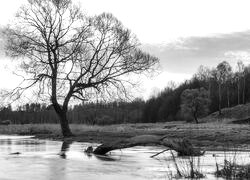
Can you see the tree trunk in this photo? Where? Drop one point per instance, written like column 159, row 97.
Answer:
column 243, row 92
column 62, row 114
column 228, row 98
column 66, row 132
column 195, row 118
column 219, row 98
column 238, row 87
column 61, row 111
column 209, row 89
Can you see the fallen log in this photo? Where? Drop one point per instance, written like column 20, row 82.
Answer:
column 182, row 146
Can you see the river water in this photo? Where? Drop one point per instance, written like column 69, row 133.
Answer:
column 26, row 158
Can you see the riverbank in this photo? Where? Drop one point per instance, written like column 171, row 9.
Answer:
column 210, row 136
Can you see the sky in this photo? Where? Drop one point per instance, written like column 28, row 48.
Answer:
column 183, row 34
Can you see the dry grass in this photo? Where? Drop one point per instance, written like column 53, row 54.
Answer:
column 30, row 129
column 186, row 168
column 237, row 112
column 231, row 169
column 217, row 134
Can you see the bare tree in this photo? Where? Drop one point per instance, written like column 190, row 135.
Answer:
column 238, row 76
column 204, row 74
column 223, row 70
column 245, row 72
column 228, row 82
column 70, row 55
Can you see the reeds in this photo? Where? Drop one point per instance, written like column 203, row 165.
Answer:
column 232, row 170
column 189, row 167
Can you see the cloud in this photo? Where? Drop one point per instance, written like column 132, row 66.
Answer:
column 151, row 86
column 185, row 55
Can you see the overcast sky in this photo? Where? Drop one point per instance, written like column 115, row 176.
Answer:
column 182, row 33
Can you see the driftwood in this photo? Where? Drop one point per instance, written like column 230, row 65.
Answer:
column 159, row 153
column 182, row 146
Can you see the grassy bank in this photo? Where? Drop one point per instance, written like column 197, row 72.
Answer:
column 216, row 135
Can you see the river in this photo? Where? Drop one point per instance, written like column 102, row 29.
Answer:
column 27, row 158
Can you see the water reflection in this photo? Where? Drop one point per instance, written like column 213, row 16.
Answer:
column 101, row 157
column 105, row 158
column 65, row 147
column 45, row 159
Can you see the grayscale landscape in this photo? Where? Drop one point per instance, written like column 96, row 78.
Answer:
column 93, row 89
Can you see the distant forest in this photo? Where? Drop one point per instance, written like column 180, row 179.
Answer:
column 222, row 83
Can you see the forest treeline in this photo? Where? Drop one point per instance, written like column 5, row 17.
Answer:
column 226, row 88
column 87, row 113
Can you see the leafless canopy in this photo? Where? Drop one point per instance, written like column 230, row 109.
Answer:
column 68, row 54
